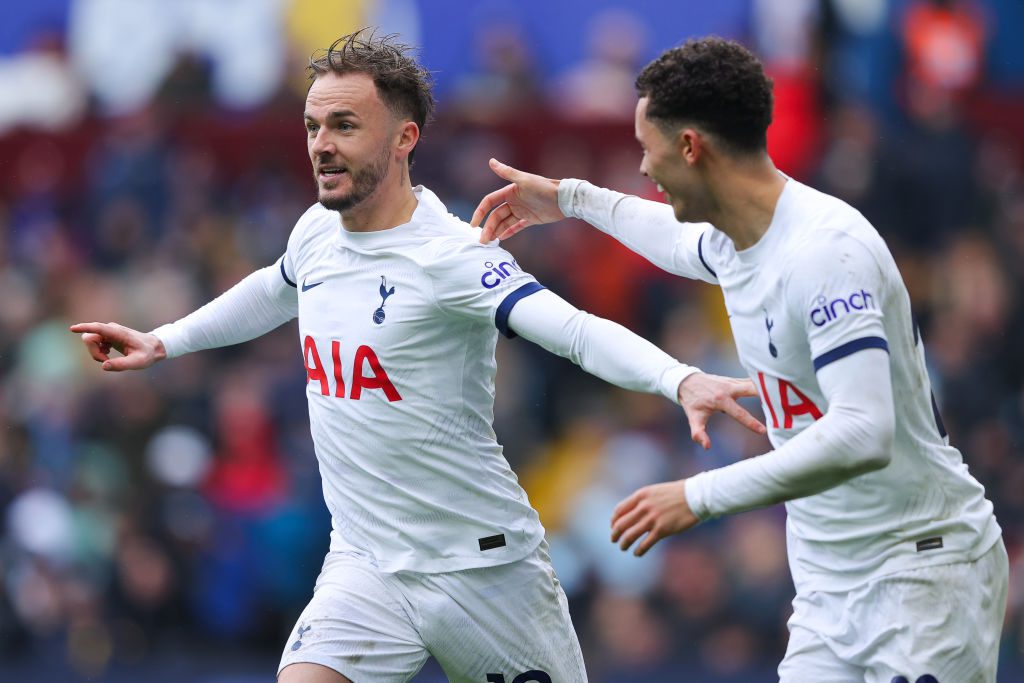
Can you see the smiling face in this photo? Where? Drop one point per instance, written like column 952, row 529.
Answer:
column 355, row 141
column 670, row 160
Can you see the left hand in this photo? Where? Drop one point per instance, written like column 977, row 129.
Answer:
column 701, row 396
column 658, row 510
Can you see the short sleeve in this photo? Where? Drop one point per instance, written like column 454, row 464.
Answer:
column 480, row 282
column 837, row 287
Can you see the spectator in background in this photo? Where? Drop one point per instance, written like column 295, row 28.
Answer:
column 505, row 84
column 601, row 87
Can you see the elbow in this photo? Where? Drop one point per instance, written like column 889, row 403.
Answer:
column 867, row 442
column 877, row 451
column 875, row 460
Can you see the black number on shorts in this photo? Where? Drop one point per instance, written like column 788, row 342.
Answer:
column 535, row 676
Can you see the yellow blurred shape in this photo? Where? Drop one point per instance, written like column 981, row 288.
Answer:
column 315, row 24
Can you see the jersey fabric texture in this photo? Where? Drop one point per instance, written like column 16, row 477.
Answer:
column 398, row 330
column 819, row 286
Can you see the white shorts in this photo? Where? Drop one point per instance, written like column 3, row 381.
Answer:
column 504, row 624
column 931, row 625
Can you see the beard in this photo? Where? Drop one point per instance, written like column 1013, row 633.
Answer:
column 365, row 182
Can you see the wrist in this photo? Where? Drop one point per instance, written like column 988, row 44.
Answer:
column 159, row 350
column 684, row 376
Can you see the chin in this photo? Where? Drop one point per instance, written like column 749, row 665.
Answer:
column 680, row 213
column 334, row 201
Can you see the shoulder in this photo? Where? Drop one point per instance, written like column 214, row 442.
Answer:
column 460, row 249
column 448, row 241
column 828, row 232
column 316, row 220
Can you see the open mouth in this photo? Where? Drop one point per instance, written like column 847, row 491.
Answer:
column 330, row 172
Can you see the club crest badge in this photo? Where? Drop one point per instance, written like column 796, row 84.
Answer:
column 378, row 315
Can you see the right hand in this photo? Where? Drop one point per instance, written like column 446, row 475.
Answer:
column 139, row 349
column 529, row 200
column 701, row 396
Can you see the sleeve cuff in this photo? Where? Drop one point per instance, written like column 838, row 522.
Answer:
column 170, row 339
column 567, row 196
column 673, row 377
column 696, row 495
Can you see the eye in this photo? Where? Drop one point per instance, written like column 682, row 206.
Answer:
column 345, row 126
column 312, row 128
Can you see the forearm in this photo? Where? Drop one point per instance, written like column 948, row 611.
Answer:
column 852, row 438
column 645, row 227
column 601, row 347
column 253, row 307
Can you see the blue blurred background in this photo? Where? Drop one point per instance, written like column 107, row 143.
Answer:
column 168, row 525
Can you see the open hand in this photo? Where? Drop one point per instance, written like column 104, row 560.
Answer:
column 140, row 350
column 701, row 396
column 658, row 511
column 529, row 200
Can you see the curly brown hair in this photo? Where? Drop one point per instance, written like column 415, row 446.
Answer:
column 405, row 87
column 713, row 83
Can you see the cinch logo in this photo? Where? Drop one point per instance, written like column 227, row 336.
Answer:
column 828, row 311
column 493, row 277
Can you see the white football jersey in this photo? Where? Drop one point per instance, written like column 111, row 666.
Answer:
column 398, row 330
column 820, row 285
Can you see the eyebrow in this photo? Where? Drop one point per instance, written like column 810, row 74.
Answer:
column 338, row 114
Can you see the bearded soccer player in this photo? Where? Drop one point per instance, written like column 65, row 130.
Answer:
column 899, row 565
column 435, row 549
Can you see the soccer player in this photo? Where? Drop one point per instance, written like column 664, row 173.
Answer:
column 434, row 547
column 899, row 565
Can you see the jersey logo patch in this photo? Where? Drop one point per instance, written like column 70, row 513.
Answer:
column 493, row 277
column 769, row 323
column 306, row 288
column 827, row 311
column 302, row 631
column 378, row 315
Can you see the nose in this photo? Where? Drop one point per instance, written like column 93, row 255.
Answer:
column 322, row 144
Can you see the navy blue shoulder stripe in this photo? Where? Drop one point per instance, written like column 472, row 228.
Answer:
column 285, row 275
column 850, row 348
column 700, row 254
column 509, row 302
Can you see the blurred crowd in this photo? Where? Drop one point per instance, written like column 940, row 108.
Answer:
column 177, row 512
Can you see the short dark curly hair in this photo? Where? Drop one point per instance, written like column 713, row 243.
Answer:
column 713, row 83
column 405, row 87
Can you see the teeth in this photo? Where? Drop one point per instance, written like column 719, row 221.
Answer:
column 660, row 188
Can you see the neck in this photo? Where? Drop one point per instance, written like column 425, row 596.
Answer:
column 391, row 204
column 745, row 200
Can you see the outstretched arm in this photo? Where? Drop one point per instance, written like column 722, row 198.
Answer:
column 648, row 228
column 616, row 355
column 854, row 437
column 256, row 305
